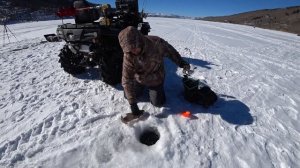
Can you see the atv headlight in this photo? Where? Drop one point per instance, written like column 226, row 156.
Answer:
column 59, row 32
column 71, row 37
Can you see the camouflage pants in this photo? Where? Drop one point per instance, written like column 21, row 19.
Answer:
column 156, row 94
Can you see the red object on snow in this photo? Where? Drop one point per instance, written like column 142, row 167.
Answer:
column 64, row 12
column 186, row 114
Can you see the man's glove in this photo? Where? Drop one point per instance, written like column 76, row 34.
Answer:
column 135, row 109
column 187, row 69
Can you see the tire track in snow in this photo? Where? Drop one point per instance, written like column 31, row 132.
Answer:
column 268, row 39
column 265, row 64
column 35, row 94
column 34, row 141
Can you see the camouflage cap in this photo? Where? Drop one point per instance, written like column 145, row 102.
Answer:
column 130, row 38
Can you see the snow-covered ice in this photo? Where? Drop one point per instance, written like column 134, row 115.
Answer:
column 49, row 118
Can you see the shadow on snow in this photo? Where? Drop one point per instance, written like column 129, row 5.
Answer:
column 89, row 74
column 230, row 110
column 93, row 74
column 198, row 62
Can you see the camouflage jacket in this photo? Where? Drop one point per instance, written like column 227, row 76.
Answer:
column 147, row 68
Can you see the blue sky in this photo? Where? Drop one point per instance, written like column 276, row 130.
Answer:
column 207, row 7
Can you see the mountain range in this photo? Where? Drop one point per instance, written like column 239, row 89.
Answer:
column 282, row 19
column 28, row 10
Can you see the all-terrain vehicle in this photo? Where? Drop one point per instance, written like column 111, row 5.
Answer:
column 93, row 39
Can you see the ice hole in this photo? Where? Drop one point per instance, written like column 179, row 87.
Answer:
column 149, row 136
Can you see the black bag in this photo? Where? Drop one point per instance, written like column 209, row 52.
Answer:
column 198, row 92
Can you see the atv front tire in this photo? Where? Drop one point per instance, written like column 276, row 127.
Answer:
column 70, row 62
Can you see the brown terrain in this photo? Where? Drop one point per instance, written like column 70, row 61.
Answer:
column 282, row 19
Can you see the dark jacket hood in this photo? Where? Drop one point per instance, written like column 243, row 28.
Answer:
column 130, row 38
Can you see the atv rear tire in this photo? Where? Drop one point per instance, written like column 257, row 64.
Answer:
column 111, row 68
column 70, row 61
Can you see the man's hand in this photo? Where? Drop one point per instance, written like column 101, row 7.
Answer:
column 135, row 109
column 187, row 69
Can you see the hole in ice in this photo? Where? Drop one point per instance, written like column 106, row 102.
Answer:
column 149, row 136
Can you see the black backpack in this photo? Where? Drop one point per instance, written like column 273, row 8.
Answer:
column 198, row 92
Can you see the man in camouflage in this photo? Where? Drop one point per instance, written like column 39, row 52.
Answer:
column 143, row 65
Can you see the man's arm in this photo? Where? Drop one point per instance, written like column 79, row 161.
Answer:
column 128, row 79
column 173, row 54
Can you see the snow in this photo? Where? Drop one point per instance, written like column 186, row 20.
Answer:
column 52, row 119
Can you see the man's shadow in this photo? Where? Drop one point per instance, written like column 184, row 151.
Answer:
column 230, row 110
column 200, row 63
column 94, row 74
column 233, row 111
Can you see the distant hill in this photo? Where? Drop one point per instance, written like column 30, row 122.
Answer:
column 38, row 4
column 283, row 19
column 27, row 10
column 167, row 15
